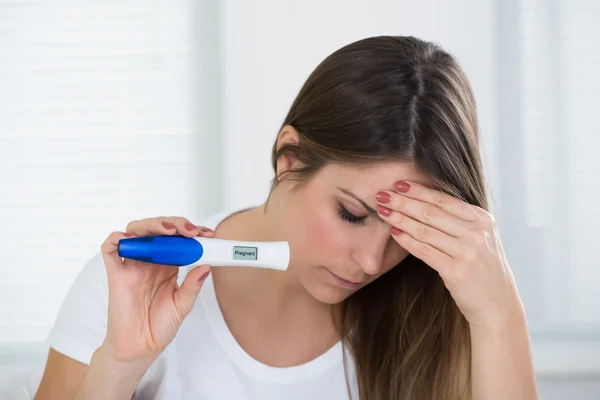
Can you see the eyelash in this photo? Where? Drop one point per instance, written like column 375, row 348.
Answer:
column 351, row 218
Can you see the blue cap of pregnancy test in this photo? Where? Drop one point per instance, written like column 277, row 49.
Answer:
column 165, row 249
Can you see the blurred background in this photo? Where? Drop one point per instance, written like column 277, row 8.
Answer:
column 117, row 110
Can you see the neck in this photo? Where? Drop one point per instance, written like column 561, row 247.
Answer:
column 277, row 293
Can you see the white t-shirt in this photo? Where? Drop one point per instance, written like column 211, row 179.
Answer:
column 204, row 361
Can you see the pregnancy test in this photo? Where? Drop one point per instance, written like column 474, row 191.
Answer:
column 181, row 251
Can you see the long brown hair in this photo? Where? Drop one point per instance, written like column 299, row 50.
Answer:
column 397, row 99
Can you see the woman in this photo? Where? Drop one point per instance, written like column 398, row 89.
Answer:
column 397, row 288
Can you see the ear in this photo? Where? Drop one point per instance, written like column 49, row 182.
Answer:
column 287, row 136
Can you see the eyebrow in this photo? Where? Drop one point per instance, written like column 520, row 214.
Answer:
column 367, row 207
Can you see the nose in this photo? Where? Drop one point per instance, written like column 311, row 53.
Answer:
column 369, row 254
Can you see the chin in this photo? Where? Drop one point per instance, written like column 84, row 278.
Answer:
column 327, row 294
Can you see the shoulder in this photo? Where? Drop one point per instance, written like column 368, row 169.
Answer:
column 212, row 221
column 80, row 324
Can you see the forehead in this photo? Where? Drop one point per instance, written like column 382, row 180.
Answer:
column 375, row 176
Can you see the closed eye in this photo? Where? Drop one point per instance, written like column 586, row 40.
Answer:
column 349, row 217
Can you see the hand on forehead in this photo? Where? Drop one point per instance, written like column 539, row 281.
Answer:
column 366, row 180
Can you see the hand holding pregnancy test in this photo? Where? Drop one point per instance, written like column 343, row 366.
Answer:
column 181, row 251
column 147, row 299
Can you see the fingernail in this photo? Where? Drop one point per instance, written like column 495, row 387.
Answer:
column 396, row 231
column 128, row 234
column 204, row 275
column 383, row 197
column 205, row 229
column 167, row 225
column 190, row 227
column 402, row 186
column 384, row 211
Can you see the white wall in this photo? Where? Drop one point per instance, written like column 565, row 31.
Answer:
column 269, row 47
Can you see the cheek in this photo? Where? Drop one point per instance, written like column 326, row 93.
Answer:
column 320, row 231
column 322, row 228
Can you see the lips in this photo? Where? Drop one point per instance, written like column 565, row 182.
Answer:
column 345, row 282
column 349, row 281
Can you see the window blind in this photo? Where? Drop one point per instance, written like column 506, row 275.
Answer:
column 96, row 129
column 550, row 141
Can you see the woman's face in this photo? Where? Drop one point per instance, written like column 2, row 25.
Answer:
column 338, row 245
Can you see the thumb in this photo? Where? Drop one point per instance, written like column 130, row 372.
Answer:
column 186, row 295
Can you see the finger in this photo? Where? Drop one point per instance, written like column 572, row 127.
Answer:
column 204, row 231
column 186, row 295
column 163, row 226
column 112, row 261
column 427, row 213
column 450, row 204
column 182, row 225
column 442, row 241
column 186, row 228
column 431, row 256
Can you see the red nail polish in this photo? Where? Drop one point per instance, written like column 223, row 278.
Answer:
column 167, row 225
column 396, row 231
column 190, row 227
column 402, row 186
column 384, row 211
column 383, row 197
